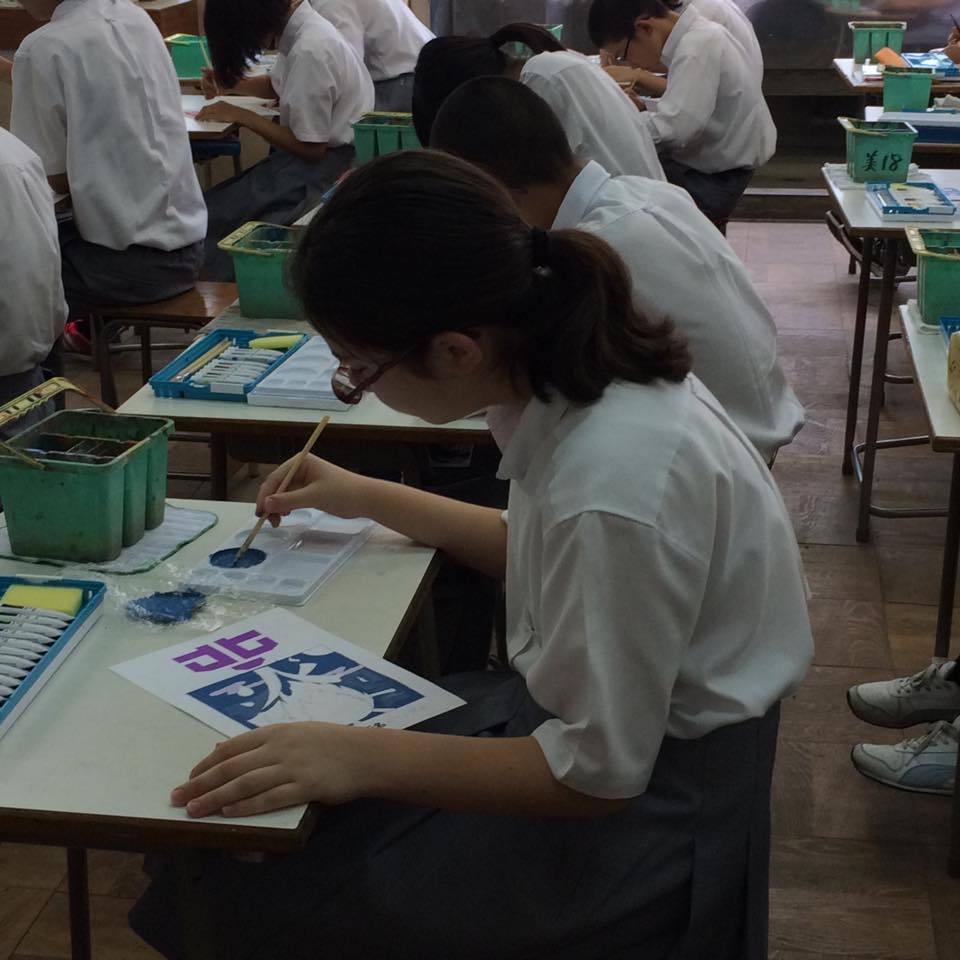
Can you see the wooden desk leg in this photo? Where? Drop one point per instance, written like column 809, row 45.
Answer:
column 218, row 466
column 856, row 355
column 948, row 576
column 876, row 386
column 79, row 904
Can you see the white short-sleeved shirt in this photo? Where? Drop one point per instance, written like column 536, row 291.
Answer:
column 385, row 33
column 95, row 95
column 712, row 116
column 654, row 584
column 32, row 308
column 737, row 24
column 320, row 80
column 600, row 121
column 684, row 269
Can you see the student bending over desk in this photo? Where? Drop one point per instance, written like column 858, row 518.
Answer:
column 608, row 795
column 323, row 89
column 711, row 126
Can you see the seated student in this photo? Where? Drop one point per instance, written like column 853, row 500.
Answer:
column 598, row 118
column 388, row 37
column 952, row 49
column 95, row 95
column 679, row 264
column 655, row 617
column 32, row 308
column 711, row 126
column 323, row 89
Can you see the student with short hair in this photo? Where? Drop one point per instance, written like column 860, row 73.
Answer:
column 96, row 97
column 680, row 266
column 388, row 37
column 712, row 126
column 600, row 121
column 323, row 89
column 32, row 307
column 618, row 773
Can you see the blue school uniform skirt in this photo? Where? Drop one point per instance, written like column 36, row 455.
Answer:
column 278, row 189
column 681, row 873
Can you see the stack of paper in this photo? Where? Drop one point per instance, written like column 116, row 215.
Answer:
column 302, row 381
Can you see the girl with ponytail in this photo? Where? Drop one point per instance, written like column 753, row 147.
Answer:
column 599, row 119
column 616, row 771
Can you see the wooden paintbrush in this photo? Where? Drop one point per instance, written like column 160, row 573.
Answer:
column 294, row 466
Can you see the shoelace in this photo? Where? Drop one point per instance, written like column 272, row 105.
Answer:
column 941, row 733
column 924, row 680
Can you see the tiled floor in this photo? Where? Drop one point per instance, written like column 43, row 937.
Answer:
column 858, row 870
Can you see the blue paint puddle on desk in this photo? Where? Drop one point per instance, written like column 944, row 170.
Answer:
column 174, row 607
column 226, row 558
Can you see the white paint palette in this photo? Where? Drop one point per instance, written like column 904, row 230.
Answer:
column 303, row 380
column 301, row 554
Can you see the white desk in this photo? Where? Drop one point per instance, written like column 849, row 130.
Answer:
column 852, row 75
column 93, row 759
column 920, row 147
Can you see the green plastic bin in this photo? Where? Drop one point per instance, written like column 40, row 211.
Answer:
column 906, row 89
column 84, row 512
column 869, row 36
column 379, row 133
column 522, row 51
column 878, row 151
column 938, row 271
column 261, row 253
column 190, row 54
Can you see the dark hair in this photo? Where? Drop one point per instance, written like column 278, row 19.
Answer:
column 419, row 242
column 238, row 31
column 611, row 20
column 446, row 62
column 504, row 127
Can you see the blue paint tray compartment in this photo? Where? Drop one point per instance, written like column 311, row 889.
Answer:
column 948, row 327
column 12, row 706
column 171, row 382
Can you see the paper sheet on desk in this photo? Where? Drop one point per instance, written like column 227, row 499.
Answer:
column 278, row 668
column 193, row 103
column 843, row 181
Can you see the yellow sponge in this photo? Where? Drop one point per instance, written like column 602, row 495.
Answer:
column 284, row 342
column 66, row 600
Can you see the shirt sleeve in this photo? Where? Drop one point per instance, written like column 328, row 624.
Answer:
column 618, row 609
column 309, row 93
column 690, row 99
column 39, row 116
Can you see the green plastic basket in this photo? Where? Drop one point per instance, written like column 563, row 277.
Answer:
column 869, row 36
column 84, row 512
column 938, row 271
column 379, row 133
column 261, row 253
column 878, row 151
column 190, row 54
column 906, row 89
column 522, row 51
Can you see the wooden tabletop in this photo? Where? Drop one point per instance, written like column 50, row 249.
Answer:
column 852, row 75
column 93, row 759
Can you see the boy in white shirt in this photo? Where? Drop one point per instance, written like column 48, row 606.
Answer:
column 388, row 37
column 32, row 308
column 712, row 126
column 680, row 266
column 95, row 95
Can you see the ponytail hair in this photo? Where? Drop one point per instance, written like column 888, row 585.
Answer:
column 417, row 243
column 609, row 21
column 446, row 62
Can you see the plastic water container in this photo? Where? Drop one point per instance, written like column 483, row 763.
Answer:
column 190, row 54
column 261, row 253
column 869, row 36
column 379, row 133
column 938, row 271
column 80, row 485
column 878, row 151
column 906, row 89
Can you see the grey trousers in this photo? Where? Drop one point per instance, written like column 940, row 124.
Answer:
column 716, row 194
column 277, row 190
column 682, row 873
column 394, row 95
column 95, row 276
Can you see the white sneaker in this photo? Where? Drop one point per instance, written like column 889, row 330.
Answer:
column 925, row 697
column 926, row 764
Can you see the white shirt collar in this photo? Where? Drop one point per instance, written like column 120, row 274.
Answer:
column 295, row 23
column 588, row 183
column 535, row 426
column 682, row 25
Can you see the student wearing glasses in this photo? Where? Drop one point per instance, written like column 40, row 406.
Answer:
column 618, row 773
column 711, row 126
column 598, row 118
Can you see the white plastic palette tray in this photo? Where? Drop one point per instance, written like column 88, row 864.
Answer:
column 301, row 554
column 303, row 381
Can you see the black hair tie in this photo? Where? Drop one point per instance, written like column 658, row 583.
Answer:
column 539, row 247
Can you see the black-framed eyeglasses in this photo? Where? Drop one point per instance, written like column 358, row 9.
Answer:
column 347, row 391
column 622, row 59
